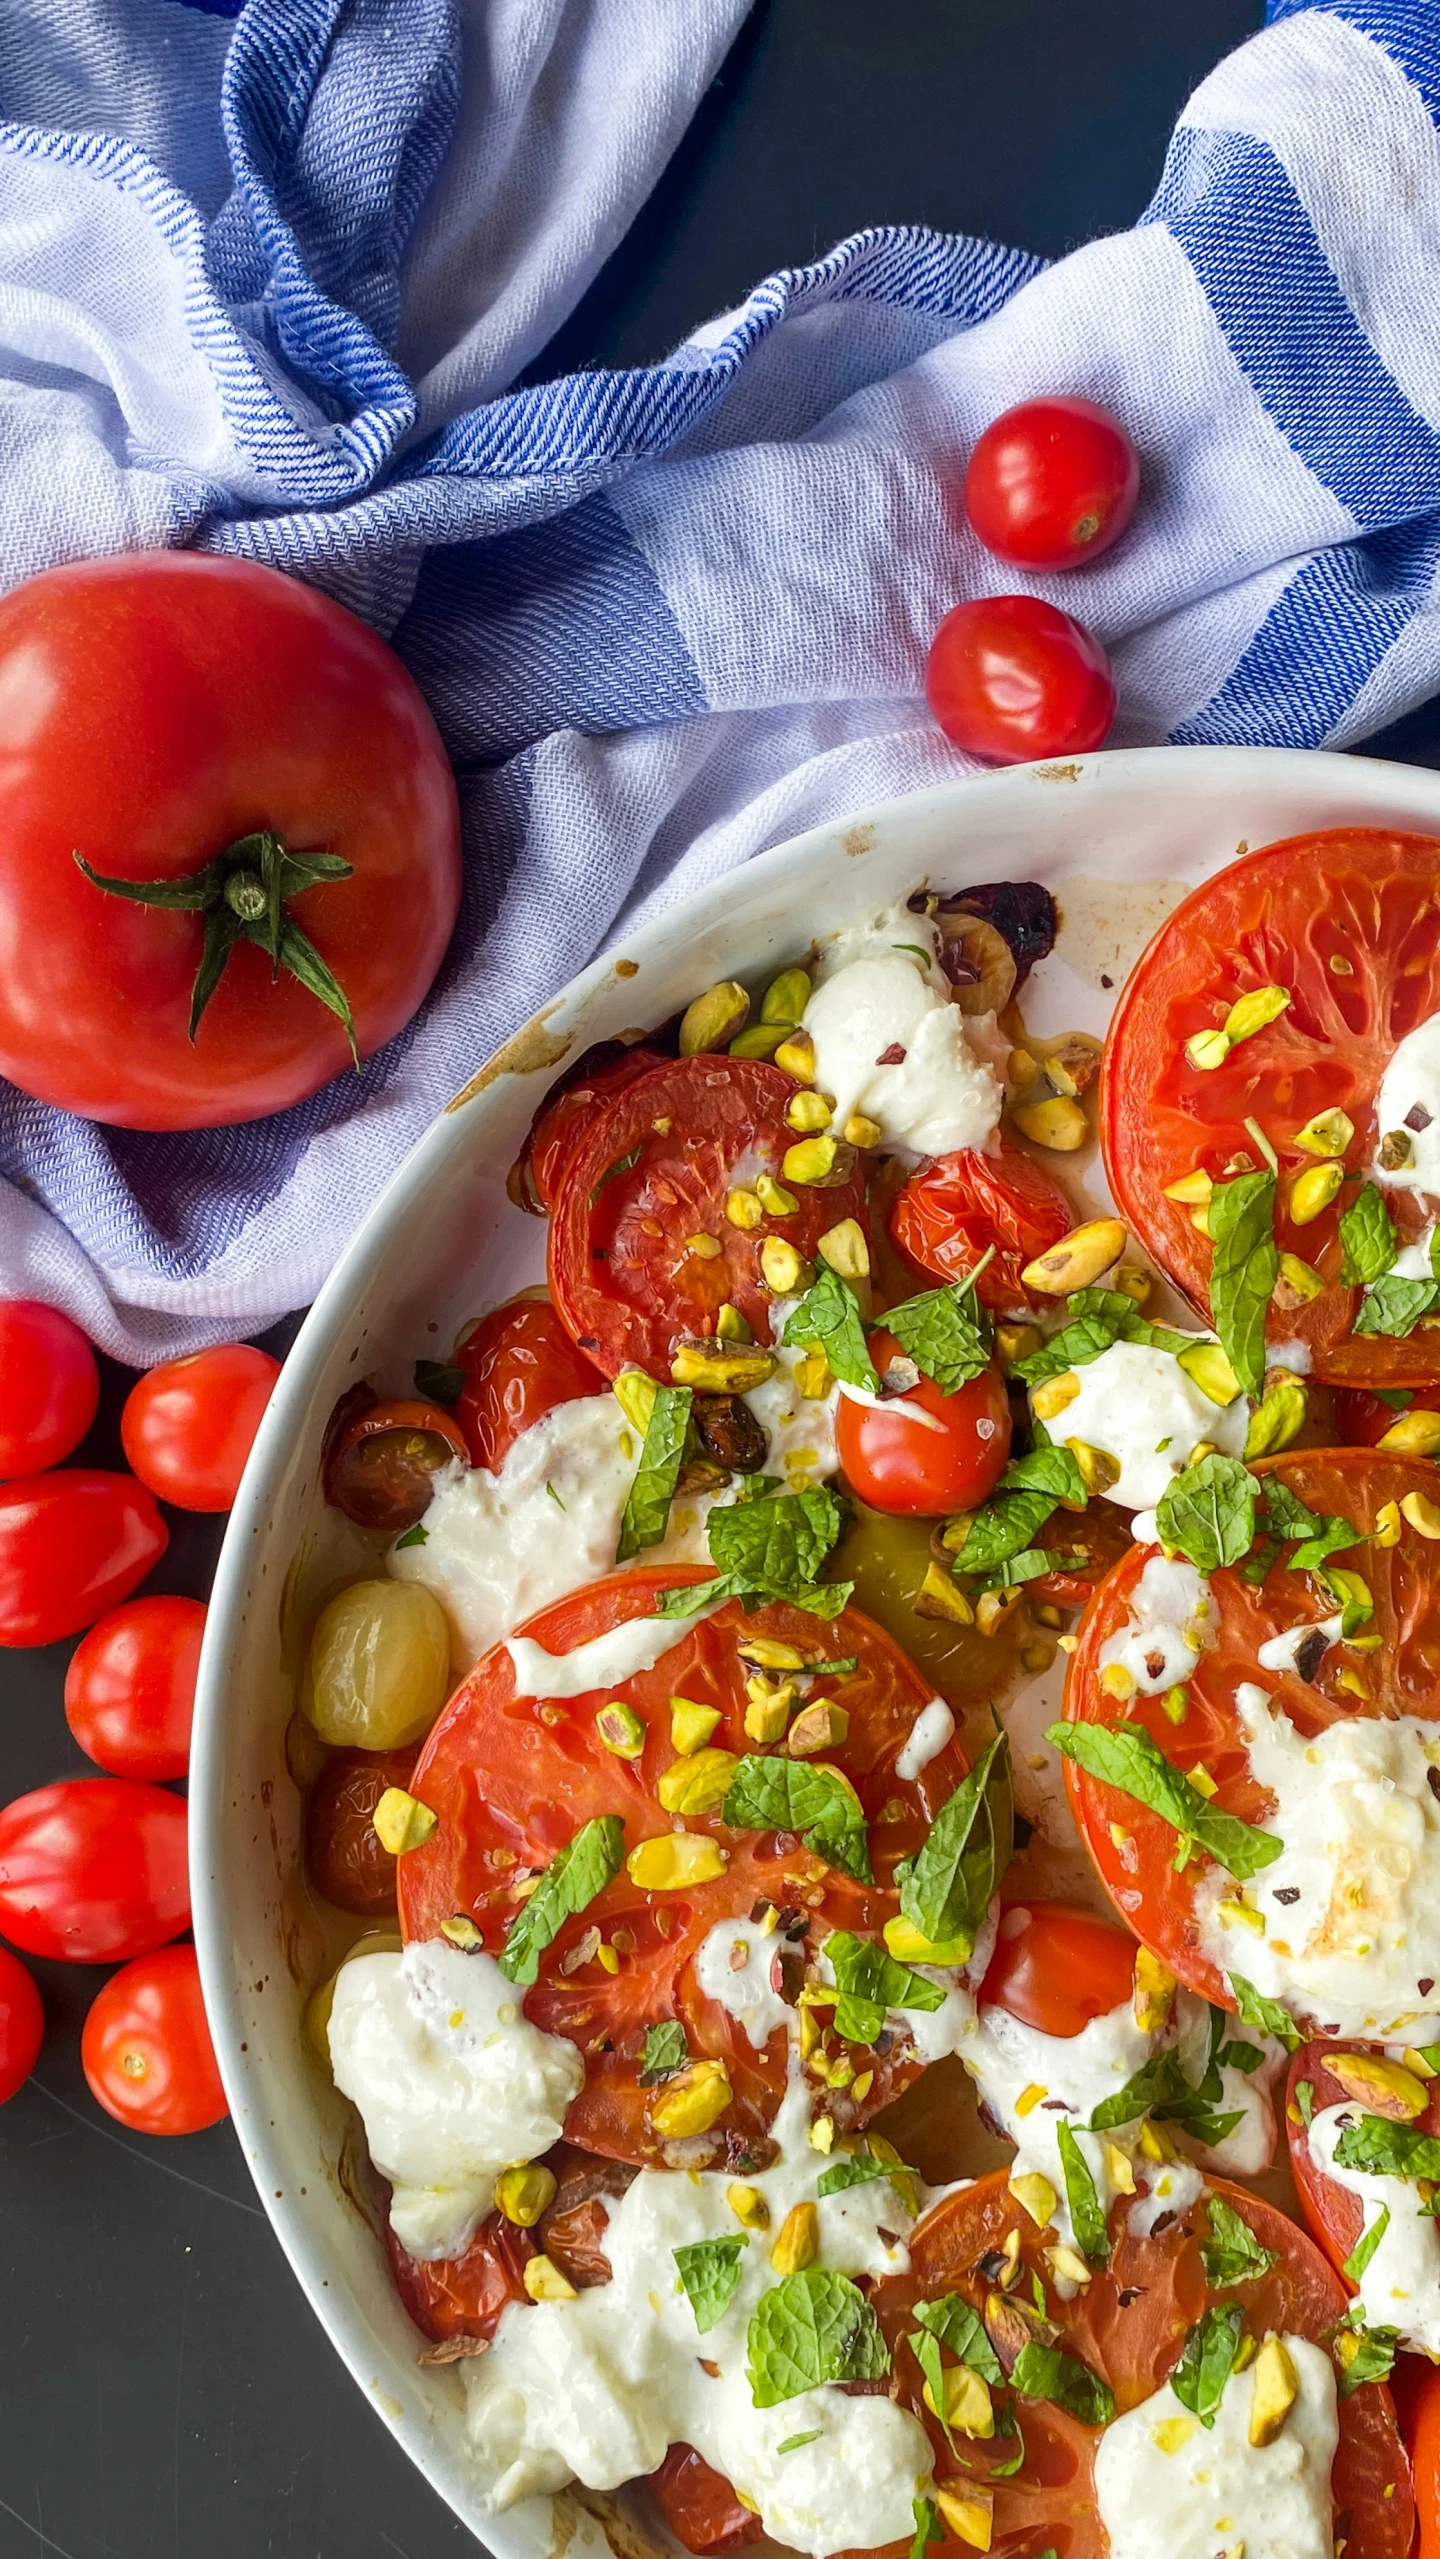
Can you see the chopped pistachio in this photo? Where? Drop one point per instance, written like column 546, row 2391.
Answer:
column 524, row 2192
column 1057, row 1123
column 543, row 2281
column 786, row 996
column 797, row 2241
column 1192, row 1189
column 862, row 1132
column 1413, row 1434
column 1277, row 1418
column 796, row 1057
column 1036, row 2196
column 620, row 1729
column 1422, row 1513
column 744, row 1209
column 1275, row 2391
column 721, row 1368
column 758, row 1039
column 1312, row 1192
column 845, row 1249
column 807, row 1112
column 1329, row 1133
column 775, row 1200
column 692, row 2101
column 698, row 1783
column 712, row 1021
column 675, row 1861
column 400, row 1822
column 1053, row 1394
column 1078, row 1260
column 634, row 1392
column 1207, row 1367
column 820, row 1727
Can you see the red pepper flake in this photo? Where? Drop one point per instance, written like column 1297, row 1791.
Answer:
column 894, row 1055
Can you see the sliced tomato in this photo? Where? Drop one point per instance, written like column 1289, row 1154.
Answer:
column 1401, row 1671
column 1129, row 2326
column 1335, row 2215
column 1057, row 1967
column 1344, row 921
column 518, row 1363
column 512, row 1780
column 701, row 2508
column 464, row 2296
column 925, row 1468
column 962, row 1206
column 565, row 1113
column 1417, row 2397
column 649, row 1181
column 380, row 1466
column 1362, row 1419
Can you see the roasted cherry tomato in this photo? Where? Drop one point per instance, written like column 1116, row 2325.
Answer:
column 1010, row 677
column 1052, row 483
column 161, row 714
column 381, row 1469
column 1361, row 966
column 951, row 1461
column 130, row 1687
column 519, row 1363
column 72, row 1544
column 49, row 1386
column 960, row 1207
column 547, row 1771
column 93, row 1870
column 1057, row 1967
column 346, row 1861
column 146, row 2050
column 566, row 1113
column 188, row 1427
column 22, row 2024
column 701, row 2508
column 649, row 1180
column 463, row 2296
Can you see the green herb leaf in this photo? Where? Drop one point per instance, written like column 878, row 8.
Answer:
column 1125, row 1756
column 1244, row 1267
column 870, row 1983
column 1030, row 1565
column 1265, row 2014
column 694, row 1595
column 647, row 1506
column 1305, row 2100
column 774, row 1547
column 1394, row 1306
column 928, row 2526
column 1384, row 2149
column 810, row 2329
column 947, row 1890
column 554, row 1496
column 1208, row 2359
column 569, row 1884
column 1367, row 1232
column 1374, row 2362
column 926, row 2351
column 1208, row 1512
column 946, row 1332
column 666, row 2051
column 1160, row 2077
column 1003, row 1528
column 828, row 1319
column 622, row 1164
column 1047, row 1470
column 793, row 2443
column 710, row 2270
column 1232, row 2254
column 1366, row 2245
column 962, row 2330
column 771, row 1793
column 438, row 1381
column 419, row 1535
column 1046, row 2372
column 1087, row 2213
column 856, row 2168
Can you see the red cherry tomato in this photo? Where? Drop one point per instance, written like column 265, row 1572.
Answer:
column 146, row 2048
column 155, row 710
column 1010, row 677
column 22, row 2024
column 700, row 2506
column 948, row 1463
column 519, row 1363
column 130, row 1687
column 1056, row 1967
column 93, row 1870
column 345, row 1859
column 380, row 1467
column 49, row 1386
column 72, row 1544
column 187, row 1428
column 1052, row 483
column 960, row 1207
column 1362, row 1419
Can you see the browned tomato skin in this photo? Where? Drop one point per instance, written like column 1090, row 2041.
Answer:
column 346, row 1862
column 381, row 1464
column 518, row 1363
column 701, row 2508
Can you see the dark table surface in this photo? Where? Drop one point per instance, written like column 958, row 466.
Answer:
column 164, row 2391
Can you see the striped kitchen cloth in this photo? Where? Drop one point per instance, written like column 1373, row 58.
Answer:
column 264, row 277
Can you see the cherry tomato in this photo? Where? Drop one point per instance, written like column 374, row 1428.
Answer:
column 1052, row 483
column 93, row 1870
column 49, row 1386
column 380, row 1470
column 949, row 1463
column 701, row 2508
column 1010, row 677
column 72, row 1544
column 960, row 1207
column 1057, row 1967
column 346, row 1861
column 130, row 1687
column 519, row 1363
column 188, row 1427
column 22, row 2024
column 464, row 2296
column 146, row 2050
column 156, row 710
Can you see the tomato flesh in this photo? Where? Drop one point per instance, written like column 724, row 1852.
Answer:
column 1051, row 483
column 1057, row 1967
column 518, row 1364
column 1010, row 677
column 380, row 1470
column 49, row 1386
column 960, row 1207
column 93, row 1870
column 1335, row 2216
column 146, row 2050
column 896, row 1463
column 72, row 1544
column 564, row 1117
column 701, row 2508
column 130, row 1687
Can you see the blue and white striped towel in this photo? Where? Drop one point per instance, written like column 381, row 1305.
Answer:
column 263, row 279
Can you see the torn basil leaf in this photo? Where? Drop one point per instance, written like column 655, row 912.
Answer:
column 1047, row 2372
column 1232, row 2254
column 1087, row 2213
column 1266, row 2014
column 666, row 2051
column 1208, row 2359
column 870, row 1983
column 569, row 1884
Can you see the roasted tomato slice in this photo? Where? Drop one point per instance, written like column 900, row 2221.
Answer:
column 1128, row 2325
column 380, row 1465
column 1344, row 921
column 1336, row 2216
column 961, row 1206
column 518, row 1363
column 455, row 2297
column 1400, row 1670
column 512, row 1780
column 565, row 1114
column 641, row 1207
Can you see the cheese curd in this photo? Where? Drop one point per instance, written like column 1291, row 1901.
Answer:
column 1164, row 2482
column 1138, row 1405
column 452, row 2083
column 933, row 1727
column 1352, row 1904
column 733, row 1966
column 1400, row 2287
column 1409, row 1087
column 881, row 988
column 1169, row 1625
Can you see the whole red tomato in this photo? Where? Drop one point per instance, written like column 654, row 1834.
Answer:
column 93, row 1870
column 72, row 1544
column 188, row 1427
column 130, row 1687
column 1009, row 677
column 518, row 1363
column 155, row 712
column 1052, row 483
column 950, row 1460
column 146, row 2048
column 49, row 1386
column 22, row 2024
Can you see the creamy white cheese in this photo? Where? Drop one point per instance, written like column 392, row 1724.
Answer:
column 452, row 2083
column 1352, row 1904
column 1169, row 1625
column 607, row 1661
column 1138, row 1405
column 1400, row 2287
column 1410, row 1084
column 598, row 2388
column 933, row 1727
column 875, row 994
column 1279, row 1652
column 733, row 1967
column 1165, row 2483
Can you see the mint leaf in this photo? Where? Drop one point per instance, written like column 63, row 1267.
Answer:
column 957, row 2326
column 569, row 1884
column 1208, row 2359
column 803, row 1795
column 647, row 1506
column 1003, row 1527
column 1266, row 2014
column 1384, row 2149
column 1394, row 1306
column 419, row 1535
column 810, row 2329
column 1232, row 2254
column 946, row 1333
column 768, row 1546
column 1047, row 1470
column 666, row 2051
column 792, row 2443
column 1087, row 2213
column 685, row 1601
column 1305, row 2100
column 1208, row 1512
column 1030, row 1565
column 1244, row 1267
column 856, row 2168
column 1374, row 2362
column 1367, row 1232
column 1365, row 2247
column 1125, row 1756
column 710, row 2270
column 870, row 1983
column 928, row 2526
column 828, row 1319
column 1046, row 2372
column 926, row 2351
column 947, row 1890
column 1158, row 2079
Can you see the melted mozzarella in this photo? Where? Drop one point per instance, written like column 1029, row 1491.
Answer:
column 732, row 1967
column 452, row 2083
column 606, row 1662
column 1169, row 1625
column 1352, row 1904
column 1411, row 1082
column 933, row 1727
column 1138, row 1405
column 598, row 2388
column 1165, row 2483
column 874, row 994
column 1400, row 2287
